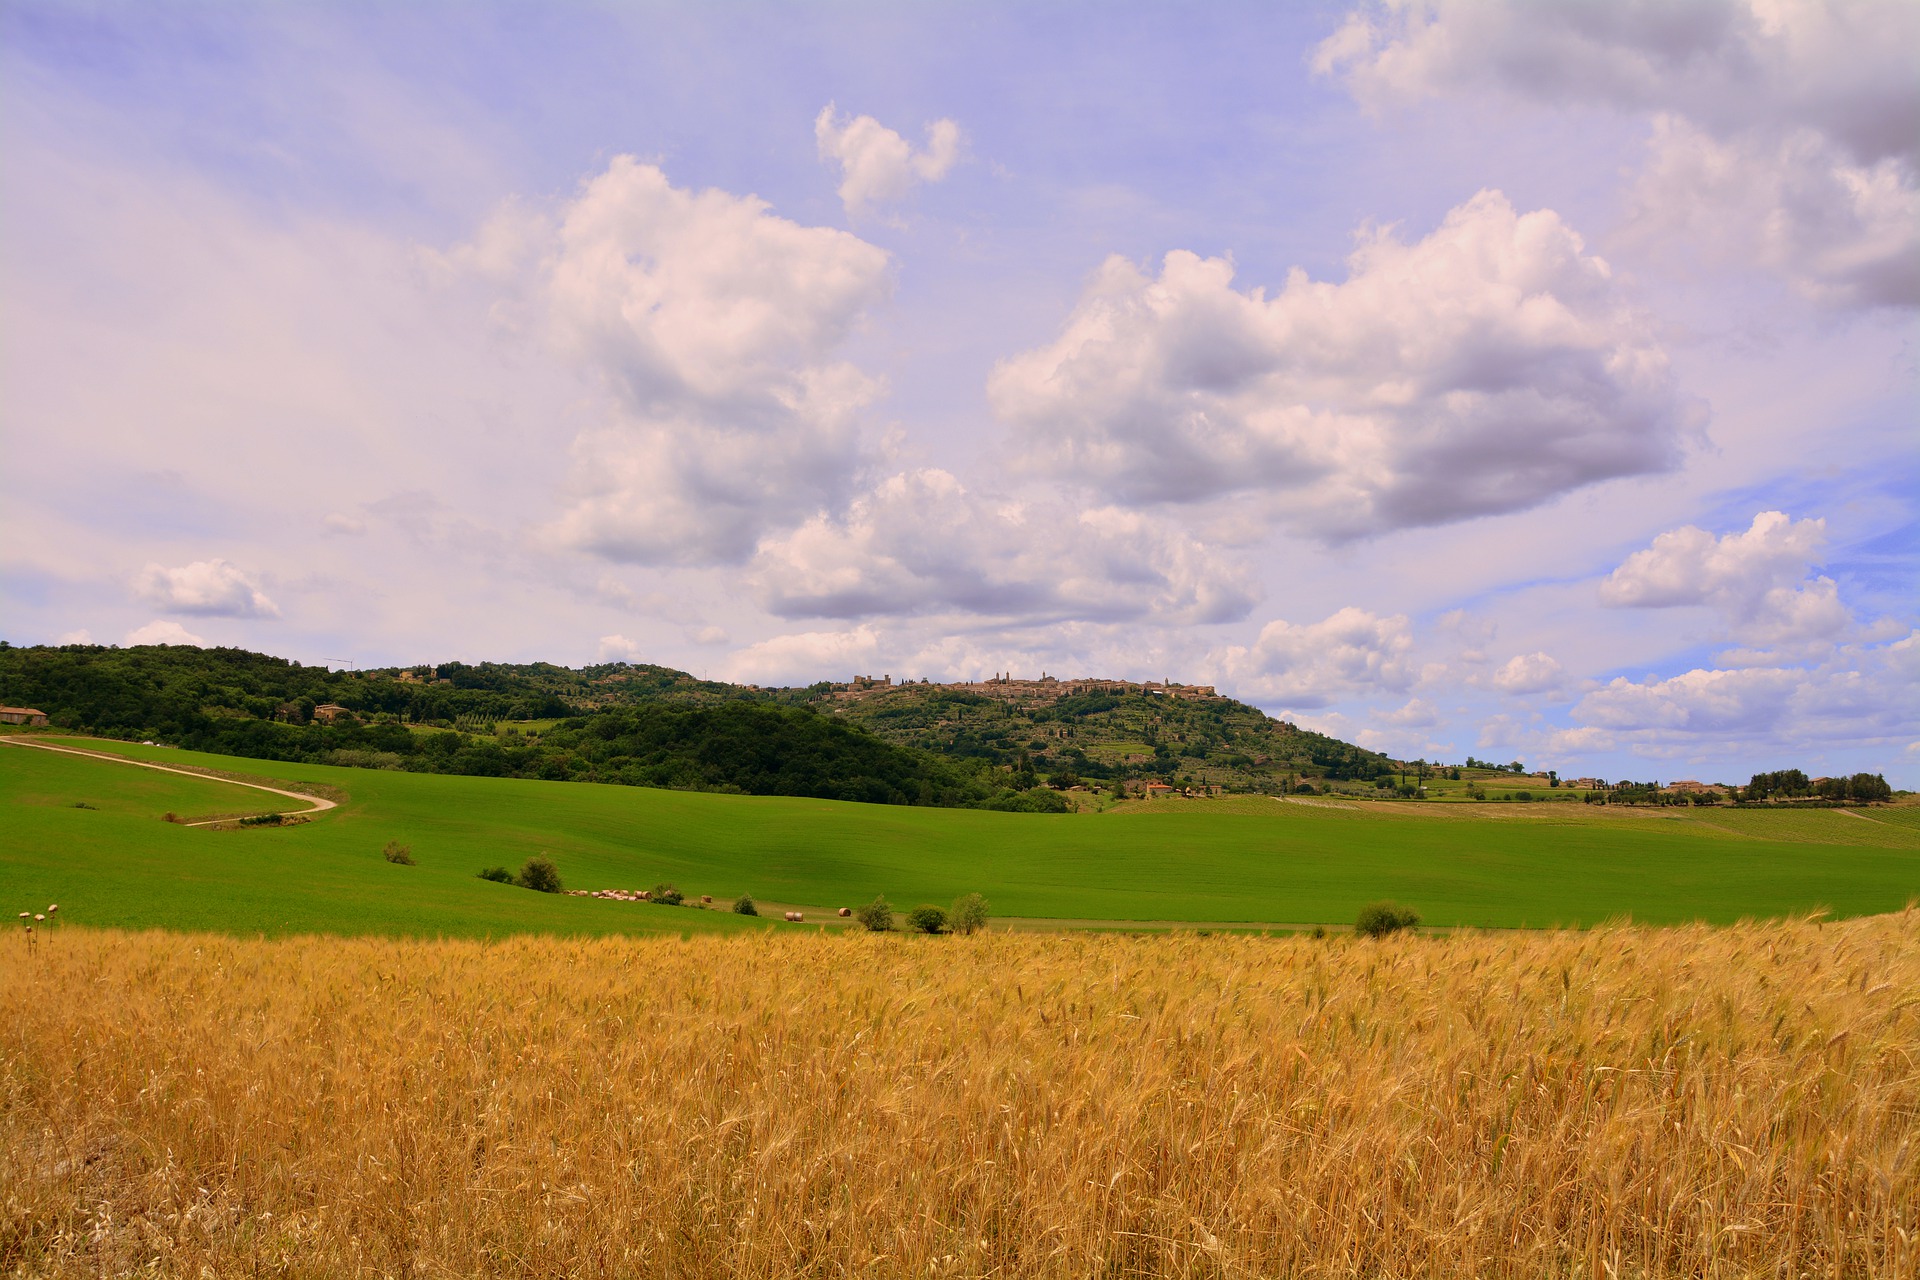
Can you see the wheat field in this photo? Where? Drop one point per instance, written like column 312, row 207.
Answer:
column 1623, row 1102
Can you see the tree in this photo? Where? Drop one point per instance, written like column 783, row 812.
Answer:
column 1869, row 786
column 926, row 918
column 743, row 906
column 539, row 874
column 968, row 914
column 876, row 915
column 1378, row 919
column 667, row 895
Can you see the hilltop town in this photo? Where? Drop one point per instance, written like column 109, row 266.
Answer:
column 1142, row 737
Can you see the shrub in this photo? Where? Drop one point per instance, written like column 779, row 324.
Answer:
column 539, row 874
column 264, row 820
column 1378, row 919
column 499, row 875
column 876, row 915
column 968, row 914
column 1029, row 801
column 743, row 906
column 1523, row 797
column 926, row 918
column 399, row 853
column 667, row 895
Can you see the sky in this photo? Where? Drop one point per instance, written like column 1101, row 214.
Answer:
column 1484, row 378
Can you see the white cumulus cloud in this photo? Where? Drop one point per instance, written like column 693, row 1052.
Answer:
column 804, row 657
column 211, row 588
column 1863, row 696
column 1845, row 234
column 1487, row 368
column 1352, row 652
column 1789, row 130
column 617, row 648
column 1528, row 673
column 714, row 326
column 163, row 631
column 1757, row 579
column 921, row 542
column 876, row 164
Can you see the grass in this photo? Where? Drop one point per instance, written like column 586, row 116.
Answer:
column 118, row 864
column 1249, row 859
column 1627, row 1102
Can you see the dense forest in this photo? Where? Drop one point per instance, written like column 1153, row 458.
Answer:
column 642, row 726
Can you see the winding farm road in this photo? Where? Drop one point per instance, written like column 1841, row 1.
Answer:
column 316, row 804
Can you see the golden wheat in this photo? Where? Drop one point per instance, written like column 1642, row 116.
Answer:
column 1621, row 1102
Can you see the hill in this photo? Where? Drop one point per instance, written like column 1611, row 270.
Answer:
column 1108, row 730
column 1245, row 859
column 987, row 742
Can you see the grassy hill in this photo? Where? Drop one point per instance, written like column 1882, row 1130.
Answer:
column 540, row 720
column 1131, row 733
column 1252, row 858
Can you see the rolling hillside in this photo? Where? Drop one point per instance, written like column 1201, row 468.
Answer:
column 539, row 720
column 1252, row 859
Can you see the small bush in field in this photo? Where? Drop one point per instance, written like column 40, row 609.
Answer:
column 539, row 874
column 398, row 853
column 926, row 919
column 876, row 915
column 499, row 875
column 1378, row 919
column 968, row 914
column 743, row 906
column 667, row 895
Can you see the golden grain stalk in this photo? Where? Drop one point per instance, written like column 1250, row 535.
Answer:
column 1627, row 1102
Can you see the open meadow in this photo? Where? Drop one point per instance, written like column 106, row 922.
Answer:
column 1249, row 859
column 1620, row 1102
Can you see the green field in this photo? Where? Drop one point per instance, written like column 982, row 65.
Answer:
column 1251, row 859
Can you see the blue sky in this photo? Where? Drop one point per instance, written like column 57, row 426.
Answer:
column 1486, row 378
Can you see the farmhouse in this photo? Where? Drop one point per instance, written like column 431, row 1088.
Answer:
column 328, row 712
column 22, row 715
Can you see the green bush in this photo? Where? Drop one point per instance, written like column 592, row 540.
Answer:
column 667, row 895
column 398, row 853
column 1378, row 919
column 926, row 918
column 876, row 915
column 539, row 874
column 743, row 906
column 968, row 914
column 499, row 875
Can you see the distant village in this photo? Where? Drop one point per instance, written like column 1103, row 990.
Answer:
column 1044, row 689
